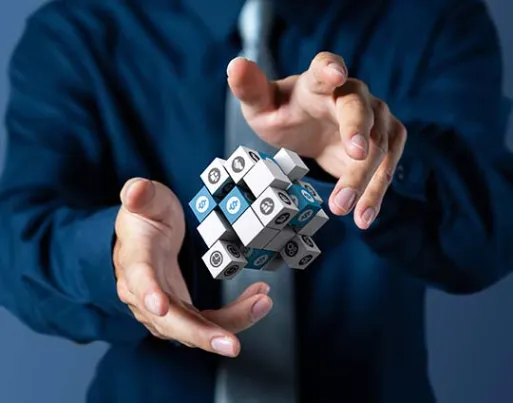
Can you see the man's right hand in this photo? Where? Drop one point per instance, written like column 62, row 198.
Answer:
column 150, row 230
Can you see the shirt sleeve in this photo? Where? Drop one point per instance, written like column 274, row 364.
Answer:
column 447, row 216
column 58, row 204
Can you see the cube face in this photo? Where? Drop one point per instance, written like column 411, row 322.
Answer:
column 216, row 179
column 305, row 202
column 266, row 173
column 224, row 260
column 300, row 252
column 280, row 240
column 252, row 232
column 315, row 224
column 202, row 204
column 257, row 258
column 274, row 208
column 215, row 227
column 235, row 204
column 240, row 163
column 311, row 189
column 291, row 164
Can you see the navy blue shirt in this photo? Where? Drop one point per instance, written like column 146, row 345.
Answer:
column 102, row 91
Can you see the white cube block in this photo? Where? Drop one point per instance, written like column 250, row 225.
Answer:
column 300, row 252
column 314, row 224
column 279, row 241
column 224, row 260
column 214, row 228
column 266, row 173
column 240, row 163
column 252, row 232
column 311, row 189
column 274, row 208
column 291, row 164
column 216, row 179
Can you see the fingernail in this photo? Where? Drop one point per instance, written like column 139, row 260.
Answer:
column 369, row 215
column 359, row 141
column 337, row 69
column 223, row 346
column 345, row 199
column 228, row 68
column 260, row 309
column 152, row 303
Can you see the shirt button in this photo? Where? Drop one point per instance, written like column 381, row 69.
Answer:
column 399, row 172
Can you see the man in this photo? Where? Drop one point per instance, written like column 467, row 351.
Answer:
column 125, row 100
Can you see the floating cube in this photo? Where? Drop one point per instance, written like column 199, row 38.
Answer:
column 300, row 252
column 281, row 238
column 215, row 227
column 216, row 179
column 274, row 208
column 258, row 258
column 252, row 232
column 315, row 224
column 311, row 189
column 257, row 211
column 202, row 204
column 224, row 260
column 266, row 173
column 306, row 204
column 291, row 164
column 235, row 204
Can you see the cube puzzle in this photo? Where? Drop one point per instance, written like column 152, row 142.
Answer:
column 257, row 212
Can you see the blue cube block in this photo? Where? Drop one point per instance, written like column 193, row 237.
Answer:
column 305, row 202
column 202, row 204
column 235, row 204
column 257, row 258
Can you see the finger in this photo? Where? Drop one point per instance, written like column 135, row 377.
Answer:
column 355, row 116
column 151, row 200
column 327, row 71
column 253, row 289
column 242, row 314
column 354, row 180
column 370, row 203
column 191, row 328
column 142, row 283
column 250, row 85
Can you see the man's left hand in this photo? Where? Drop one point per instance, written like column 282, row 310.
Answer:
column 325, row 115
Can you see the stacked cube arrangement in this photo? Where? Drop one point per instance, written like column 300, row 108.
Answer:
column 257, row 212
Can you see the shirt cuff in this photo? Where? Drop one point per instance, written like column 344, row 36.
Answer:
column 98, row 238
column 411, row 178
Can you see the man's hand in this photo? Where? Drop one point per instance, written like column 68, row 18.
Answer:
column 325, row 115
column 150, row 230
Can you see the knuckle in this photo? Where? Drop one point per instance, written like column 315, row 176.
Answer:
column 402, row 133
column 384, row 178
column 380, row 139
column 353, row 101
column 381, row 107
column 324, row 55
column 360, row 86
column 123, row 294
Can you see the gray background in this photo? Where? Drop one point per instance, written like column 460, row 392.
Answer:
column 470, row 338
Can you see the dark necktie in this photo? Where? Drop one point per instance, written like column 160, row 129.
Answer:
column 265, row 370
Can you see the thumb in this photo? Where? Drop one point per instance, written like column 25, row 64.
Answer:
column 250, row 85
column 151, row 200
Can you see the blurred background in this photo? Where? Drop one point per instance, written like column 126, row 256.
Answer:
column 470, row 338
